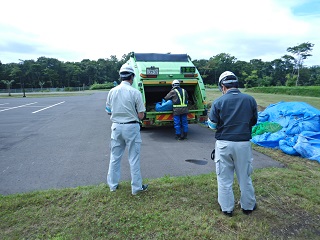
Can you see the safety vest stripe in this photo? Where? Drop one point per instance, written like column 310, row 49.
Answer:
column 182, row 100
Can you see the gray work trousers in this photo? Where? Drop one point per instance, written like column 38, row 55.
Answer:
column 235, row 157
column 122, row 136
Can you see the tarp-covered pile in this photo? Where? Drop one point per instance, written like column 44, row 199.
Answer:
column 293, row 127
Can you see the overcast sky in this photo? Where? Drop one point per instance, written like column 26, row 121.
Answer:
column 73, row 30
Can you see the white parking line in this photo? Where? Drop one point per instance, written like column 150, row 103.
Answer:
column 3, row 104
column 17, row 107
column 48, row 107
column 35, row 106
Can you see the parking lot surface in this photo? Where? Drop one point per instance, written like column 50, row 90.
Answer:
column 60, row 142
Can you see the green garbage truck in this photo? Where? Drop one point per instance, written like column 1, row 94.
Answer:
column 154, row 73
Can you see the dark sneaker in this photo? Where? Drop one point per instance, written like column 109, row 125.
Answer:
column 114, row 189
column 144, row 188
column 185, row 136
column 247, row 212
column 178, row 137
column 228, row 213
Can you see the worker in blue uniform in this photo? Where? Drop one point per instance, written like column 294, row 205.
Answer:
column 179, row 97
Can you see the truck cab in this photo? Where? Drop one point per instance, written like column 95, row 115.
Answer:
column 154, row 73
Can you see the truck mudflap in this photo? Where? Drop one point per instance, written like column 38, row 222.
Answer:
column 169, row 117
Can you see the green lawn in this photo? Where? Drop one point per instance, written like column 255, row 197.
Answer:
column 172, row 208
column 266, row 99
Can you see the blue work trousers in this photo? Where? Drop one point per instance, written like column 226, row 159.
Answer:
column 180, row 123
column 122, row 136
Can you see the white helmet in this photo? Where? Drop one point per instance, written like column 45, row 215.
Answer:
column 126, row 71
column 175, row 83
column 226, row 78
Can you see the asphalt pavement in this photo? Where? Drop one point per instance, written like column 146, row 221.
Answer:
column 61, row 142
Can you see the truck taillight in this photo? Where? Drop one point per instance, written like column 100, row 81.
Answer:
column 202, row 118
column 148, row 76
column 190, row 75
column 146, row 122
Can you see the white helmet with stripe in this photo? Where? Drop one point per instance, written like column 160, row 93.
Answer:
column 227, row 78
column 175, row 83
column 126, row 71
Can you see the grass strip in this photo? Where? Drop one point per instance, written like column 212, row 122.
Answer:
column 172, row 208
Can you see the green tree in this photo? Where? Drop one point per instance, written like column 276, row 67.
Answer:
column 8, row 84
column 265, row 81
column 257, row 65
column 242, row 68
column 315, row 75
column 36, row 70
column 202, row 67
column 290, row 80
column 41, row 85
column 252, row 79
column 89, row 71
column 16, row 74
column 279, row 72
column 217, row 65
column 302, row 51
column 52, row 76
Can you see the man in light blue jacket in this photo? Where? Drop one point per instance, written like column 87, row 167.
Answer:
column 125, row 105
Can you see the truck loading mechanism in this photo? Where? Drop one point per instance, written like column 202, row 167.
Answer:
column 154, row 73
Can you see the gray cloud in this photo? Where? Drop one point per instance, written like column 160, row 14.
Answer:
column 18, row 47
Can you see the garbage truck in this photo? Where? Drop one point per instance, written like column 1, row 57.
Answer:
column 154, row 74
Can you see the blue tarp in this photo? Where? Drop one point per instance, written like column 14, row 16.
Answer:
column 300, row 133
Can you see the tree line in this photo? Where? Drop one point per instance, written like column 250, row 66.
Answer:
column 52, row 73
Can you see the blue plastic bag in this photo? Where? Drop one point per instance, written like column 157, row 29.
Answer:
column 164, row 106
